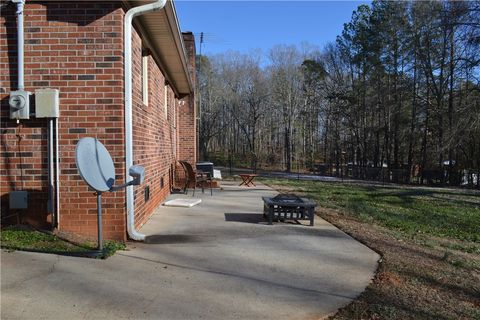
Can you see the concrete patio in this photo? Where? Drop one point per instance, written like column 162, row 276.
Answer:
column 217, row 260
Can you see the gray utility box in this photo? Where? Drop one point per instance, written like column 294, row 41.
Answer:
column 47, row 103
column 19, row 102
column 18, row 200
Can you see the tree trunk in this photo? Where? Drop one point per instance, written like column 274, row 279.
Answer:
column 413, row 117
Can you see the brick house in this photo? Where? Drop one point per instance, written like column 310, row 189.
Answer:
column 79, row 48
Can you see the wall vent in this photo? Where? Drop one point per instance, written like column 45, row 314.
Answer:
column 147, row 193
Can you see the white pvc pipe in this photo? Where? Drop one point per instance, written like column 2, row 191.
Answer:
column 132, row 13
column 20, row 43
column 50, row 167
column 57, row 175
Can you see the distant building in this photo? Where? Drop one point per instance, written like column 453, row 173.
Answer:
column 78, row 48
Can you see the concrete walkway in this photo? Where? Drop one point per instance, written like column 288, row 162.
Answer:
column 217, row 260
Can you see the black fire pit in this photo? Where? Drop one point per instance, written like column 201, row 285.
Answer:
column 288, row 207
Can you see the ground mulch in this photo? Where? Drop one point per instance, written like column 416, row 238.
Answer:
column 419, row 277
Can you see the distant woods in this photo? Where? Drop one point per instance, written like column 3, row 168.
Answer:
column 396, row 97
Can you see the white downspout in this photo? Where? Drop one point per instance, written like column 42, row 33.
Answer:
column 127, row 36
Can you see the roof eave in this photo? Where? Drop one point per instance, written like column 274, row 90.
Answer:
column 179, row 78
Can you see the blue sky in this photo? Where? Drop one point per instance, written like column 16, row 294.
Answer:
column 246, row 25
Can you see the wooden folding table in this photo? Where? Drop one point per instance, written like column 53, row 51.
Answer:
column 247, row 179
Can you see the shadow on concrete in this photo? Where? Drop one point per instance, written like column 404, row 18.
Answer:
column 175, row 238
column 255, row 218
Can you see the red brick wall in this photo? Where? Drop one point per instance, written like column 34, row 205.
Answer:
column 187, row 131
column 154, row 135
column 77, row 48
column 187, row 111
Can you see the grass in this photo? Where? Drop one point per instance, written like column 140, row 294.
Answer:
column 432, row 211
column 27, row 239
column 429, row 240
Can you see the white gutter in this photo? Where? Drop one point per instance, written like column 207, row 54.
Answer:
column 127, row 36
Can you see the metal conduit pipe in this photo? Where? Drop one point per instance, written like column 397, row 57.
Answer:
column 20, row 42
column 132, row 13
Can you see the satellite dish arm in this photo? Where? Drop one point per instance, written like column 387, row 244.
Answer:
column 138, row 175
column 124, row 185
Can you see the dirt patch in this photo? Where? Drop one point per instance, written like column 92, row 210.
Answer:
column 418, row 278
column 391, row 279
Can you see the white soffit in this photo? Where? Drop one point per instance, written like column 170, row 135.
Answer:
column 166, row 43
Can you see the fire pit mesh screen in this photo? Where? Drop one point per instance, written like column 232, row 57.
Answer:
column 287, row 198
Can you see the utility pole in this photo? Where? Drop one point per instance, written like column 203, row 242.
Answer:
column 199, row 116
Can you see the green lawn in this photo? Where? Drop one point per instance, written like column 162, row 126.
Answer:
column 442, row 213
column 23, row 238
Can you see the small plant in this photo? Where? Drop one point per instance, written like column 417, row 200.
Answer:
column 447, row 256
column 450, row 258
column 110, row 247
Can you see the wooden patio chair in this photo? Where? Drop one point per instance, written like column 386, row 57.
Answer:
column 196, row 177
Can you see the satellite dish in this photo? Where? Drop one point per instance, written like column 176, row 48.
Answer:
column 95, row 164
column 96, row 168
